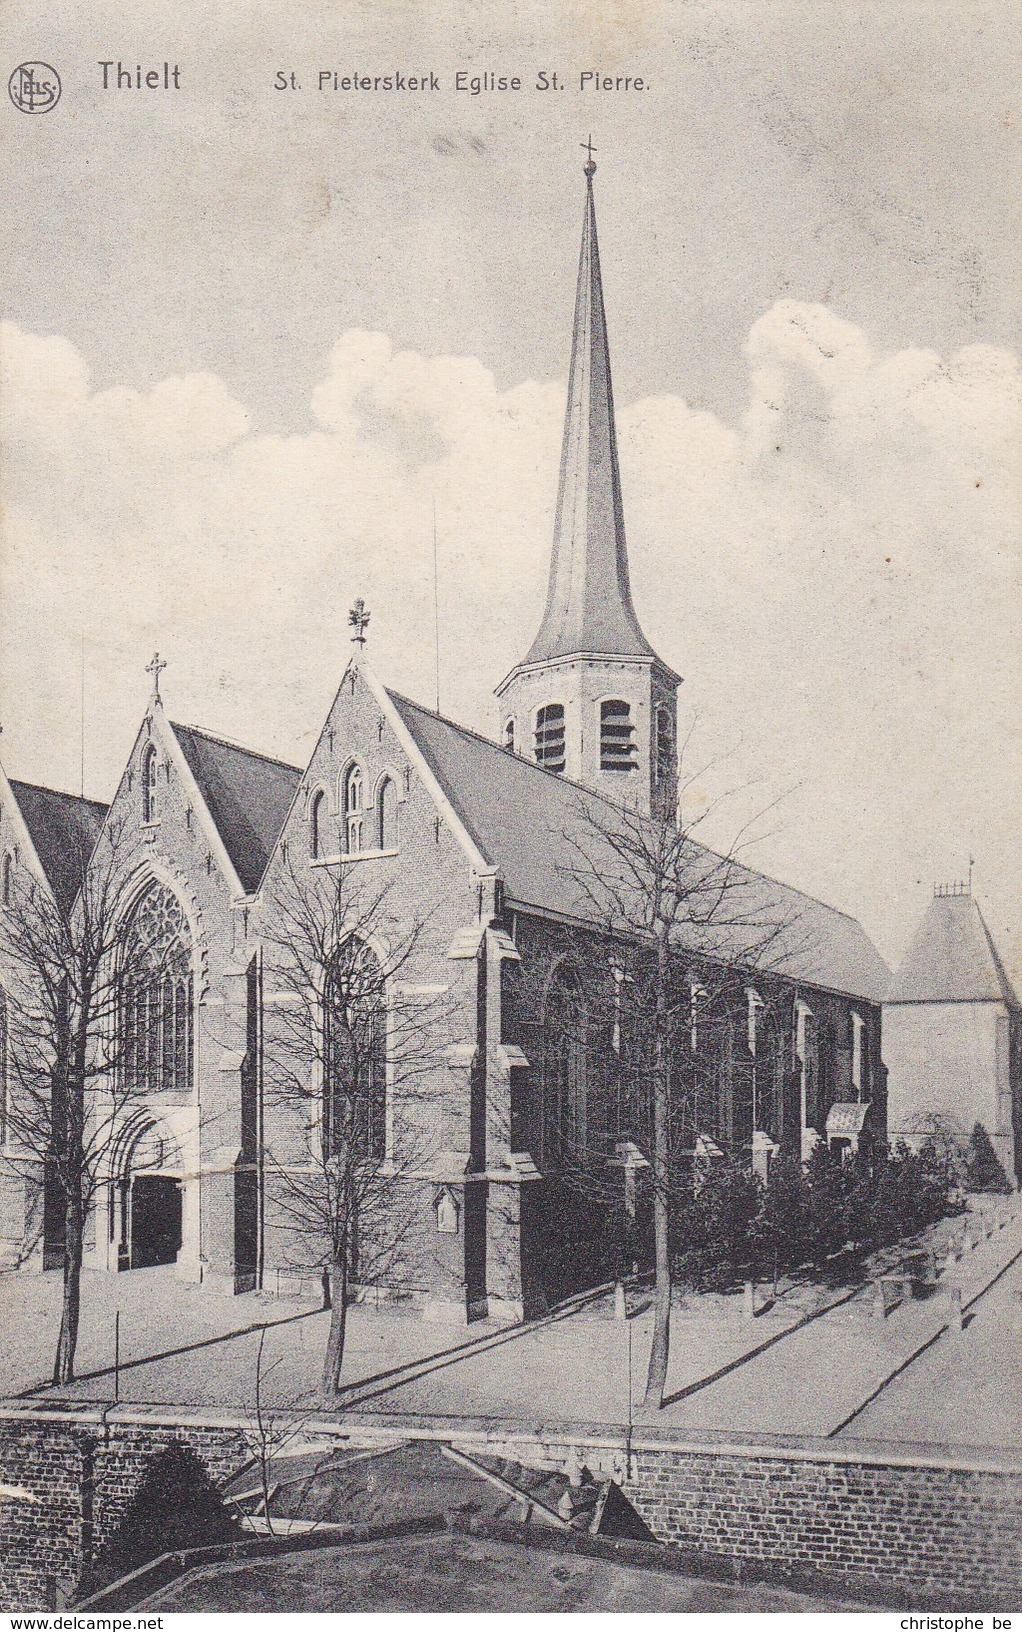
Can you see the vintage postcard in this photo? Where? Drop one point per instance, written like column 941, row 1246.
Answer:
column 510, row 909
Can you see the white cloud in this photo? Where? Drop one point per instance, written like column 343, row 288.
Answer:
column 836, row 576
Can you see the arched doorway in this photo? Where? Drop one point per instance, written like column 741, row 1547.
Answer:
column 146, row 1196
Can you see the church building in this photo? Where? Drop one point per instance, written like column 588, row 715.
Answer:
column 524, row 1136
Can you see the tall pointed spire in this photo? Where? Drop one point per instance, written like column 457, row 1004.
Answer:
column 589, row 603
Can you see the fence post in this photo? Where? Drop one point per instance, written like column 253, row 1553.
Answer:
column 955, row 1320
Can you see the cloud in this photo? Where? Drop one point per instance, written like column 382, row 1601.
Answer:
column 834, row 575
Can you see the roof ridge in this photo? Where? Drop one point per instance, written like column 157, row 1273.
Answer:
column 605, row 799
column 239, row 747
column 1004, row 980
column 60, row 793
column 518, row 759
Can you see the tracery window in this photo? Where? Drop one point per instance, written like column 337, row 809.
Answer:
column 150, row 801
column 550, row 736
column 355, row 1054
column 565, row 1074
column 156, row 1029
column 3, row 1067
column 617, row 737
column 353, row 810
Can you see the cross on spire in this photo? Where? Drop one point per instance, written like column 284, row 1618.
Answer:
column 358, row 619
column 156, row 668
column 589, row 168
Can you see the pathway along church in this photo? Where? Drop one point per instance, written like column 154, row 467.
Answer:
column 525, row 1129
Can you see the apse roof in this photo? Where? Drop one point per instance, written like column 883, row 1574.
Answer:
column 952, row 958
column 542, row 832
column 64, row 829
column 247, row 795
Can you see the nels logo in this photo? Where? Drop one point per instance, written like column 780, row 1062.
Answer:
column 34, row 87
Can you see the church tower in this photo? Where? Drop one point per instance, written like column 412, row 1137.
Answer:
column 591, row 699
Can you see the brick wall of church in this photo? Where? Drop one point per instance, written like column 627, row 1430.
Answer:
column 180, row 850
column 427, row 883
column 573, row 1219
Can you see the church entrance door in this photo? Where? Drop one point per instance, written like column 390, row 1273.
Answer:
column 155, row 1220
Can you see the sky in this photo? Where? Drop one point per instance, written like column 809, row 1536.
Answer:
column 251, row 336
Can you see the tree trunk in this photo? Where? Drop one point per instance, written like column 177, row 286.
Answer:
column 656, row 1378
column 334, row 1358
column 67, row 1342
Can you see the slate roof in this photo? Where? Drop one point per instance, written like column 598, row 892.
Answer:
column 952, row 958
column 64, row 830
column 589, row 603
column 247, row 795
column 529, row 824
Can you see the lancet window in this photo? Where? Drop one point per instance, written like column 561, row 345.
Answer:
column 150, row 800
column 354, row 812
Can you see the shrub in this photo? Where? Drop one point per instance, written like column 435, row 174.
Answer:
column 983, row 1171
column 176, row 1505
column 729, row 1225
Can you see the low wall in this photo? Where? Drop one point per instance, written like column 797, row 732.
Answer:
column 935, row 1532
column 918, row 1528
column 73, row 1475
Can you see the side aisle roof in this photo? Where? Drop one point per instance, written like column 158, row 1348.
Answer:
column 63, row 829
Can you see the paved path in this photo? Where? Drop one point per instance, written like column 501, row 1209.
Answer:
column 820, row 1376
column 967, row 1388
column 180, row 1346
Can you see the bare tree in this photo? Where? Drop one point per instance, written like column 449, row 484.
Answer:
column 66, row 965
column 349, row 1049
column 688, row 928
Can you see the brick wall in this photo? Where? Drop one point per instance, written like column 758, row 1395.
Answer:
column 936, row 1529
column 912, row 1529
column 82, row 1475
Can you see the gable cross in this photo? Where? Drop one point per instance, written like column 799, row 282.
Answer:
column 156, row 668
column 358, row 619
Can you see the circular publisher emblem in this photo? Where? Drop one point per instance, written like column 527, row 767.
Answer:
column 34, row 87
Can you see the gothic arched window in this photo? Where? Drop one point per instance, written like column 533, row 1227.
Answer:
column 617, row 737
column 150, row 803
column 156, row 1032
column 386, row 815
column 353, row 810
column 565, row 1087
column 3, row 1067
column 355, row 1054
column 509, row 736
column 316, row 812
column 550, row 736
column 5, row 880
